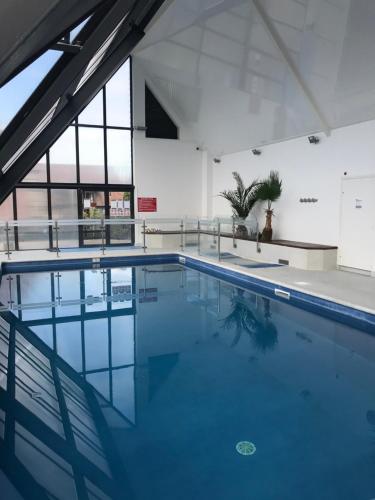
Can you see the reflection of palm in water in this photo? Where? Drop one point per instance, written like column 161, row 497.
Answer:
column 256, row 323
column 370, row 415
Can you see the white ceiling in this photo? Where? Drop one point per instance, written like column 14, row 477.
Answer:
column 240, row 77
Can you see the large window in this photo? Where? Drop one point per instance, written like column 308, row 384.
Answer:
column 93, row 155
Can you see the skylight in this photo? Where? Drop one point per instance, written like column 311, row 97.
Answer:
column 15, row 93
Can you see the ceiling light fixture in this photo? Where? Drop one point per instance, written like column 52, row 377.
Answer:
column 313, row 139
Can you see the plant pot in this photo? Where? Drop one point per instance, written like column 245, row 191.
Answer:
column 241, row 232
column 267, row 231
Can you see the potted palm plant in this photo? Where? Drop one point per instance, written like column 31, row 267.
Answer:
column 270, row 191
column 242, row 200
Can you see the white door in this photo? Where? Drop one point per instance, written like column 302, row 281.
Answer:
column 357, row 234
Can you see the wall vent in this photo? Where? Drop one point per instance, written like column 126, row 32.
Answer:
column 282, row 293
column 284, row 262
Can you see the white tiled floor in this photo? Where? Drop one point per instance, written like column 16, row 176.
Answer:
column 346, row 288
column 343, row 287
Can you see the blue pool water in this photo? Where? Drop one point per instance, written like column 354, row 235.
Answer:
column 139, row 383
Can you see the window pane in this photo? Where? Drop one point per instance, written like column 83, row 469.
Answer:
column 14, row 94
column 100, row 381
column 91, row 155
column 38, row 173
column 64, row 206
column 118, row 97
column 63, row 158
column 32, row 204
column 45, row 333
column 120, row 208
column 96, row 344
column 122, row 340
column 35, row 289
column 67, row 286
column 93, row 113
column 121, row 283
column 119, row 156
column 123, row 392
column 6, row 209
column 93, row 208
column 69, row 343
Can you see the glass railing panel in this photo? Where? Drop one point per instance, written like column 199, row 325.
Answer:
column 238, row 240
column 208, row 245
column 164, row 234
column 122, row 230
column 65, row 234
column 191, row 235
column 32, row 234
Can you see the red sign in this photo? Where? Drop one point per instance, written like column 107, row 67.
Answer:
column 147, row 205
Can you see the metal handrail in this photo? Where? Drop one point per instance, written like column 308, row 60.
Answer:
column 201, row 225
column 121, row 221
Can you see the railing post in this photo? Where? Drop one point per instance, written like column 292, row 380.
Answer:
column 103, row 234
column 182, row 234
column 144, row 235
column 218, row 240
column 56, row 227
column 58, row 298
column 199, row 237
column 8, row 252
column 10, row 301
column 258, row 244
column 234, row 233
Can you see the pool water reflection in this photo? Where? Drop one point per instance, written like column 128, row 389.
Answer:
column 139, row 382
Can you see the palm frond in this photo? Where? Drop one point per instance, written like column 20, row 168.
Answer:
column 244, row 319
column 238, row 179
column 242, row 198
column 270, row 189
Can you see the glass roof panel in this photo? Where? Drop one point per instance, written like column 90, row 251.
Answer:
column 78, row 28
column 15, row 93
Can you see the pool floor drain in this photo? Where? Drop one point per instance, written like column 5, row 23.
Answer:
column 246, row 448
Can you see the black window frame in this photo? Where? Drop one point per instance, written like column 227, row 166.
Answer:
column 81, row 187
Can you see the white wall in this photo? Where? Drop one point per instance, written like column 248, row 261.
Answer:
column 187, row 182
column 170, row 170
column 307, row 171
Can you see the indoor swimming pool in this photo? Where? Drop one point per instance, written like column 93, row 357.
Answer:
column 163, row 382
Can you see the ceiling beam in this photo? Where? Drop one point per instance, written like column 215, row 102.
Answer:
column 46, row 26
column 283, row 49
column 66, row 47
